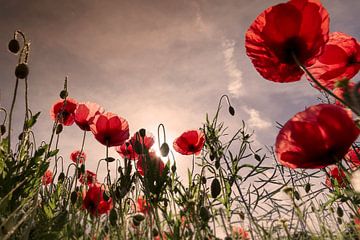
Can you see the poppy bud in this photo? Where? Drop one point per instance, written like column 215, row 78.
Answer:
column 164, row 149
column 135, row 222
column 203, row 180
column 2, row 130
column 82, row 168
column 21, row 70
column 21, row 135
column 105, row 196
column 61, row 177
column 73, row 197
column 113, row 217
column 215, row 188
column 110, row 159
column 59, row 129
column 14, row 46
column 307, row 187
column 139, row 217
column 63, row 94
column 142, row 132
column 231, row 111
column 205, row 214
column 340, row 212
column 155, row 232
column 173, row 168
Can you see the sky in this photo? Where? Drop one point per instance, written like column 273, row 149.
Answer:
column 151, row 62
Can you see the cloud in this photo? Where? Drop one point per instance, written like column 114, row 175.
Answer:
column 233, row 72
column 255, row 120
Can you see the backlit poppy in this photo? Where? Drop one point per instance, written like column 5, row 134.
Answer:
column 150, row 161
column 340, row 60
column 47, row 177
column 94, row 202
column 315, row 138
column 126, row 150
column 110, row 129
column 299, row 27
column 89, row 177
column 63, row 111
column 85, row 114
column 337, row 175
column 77, row 156
column 190, row 142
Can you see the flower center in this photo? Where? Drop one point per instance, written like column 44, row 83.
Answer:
column 294, row 45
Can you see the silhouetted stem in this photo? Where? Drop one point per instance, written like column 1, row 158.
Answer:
column 11, row 112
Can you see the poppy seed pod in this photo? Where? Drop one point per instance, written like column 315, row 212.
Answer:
column 22, row 71
column 14, row 46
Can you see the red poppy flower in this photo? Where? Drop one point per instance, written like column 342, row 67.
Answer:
column 316, row 137
column 89, row 176
column 190, row 142
column 300, row 27
column 47, row 177
column 239, row 233
column 63, row 111
column 85, row 114
column 94, row 202
column 153, row 160
column 142, row 205
column 110, row 129
column 337, row 175
column 126, row 150
column 77, row 156
column 340, row 60
column 353, row 157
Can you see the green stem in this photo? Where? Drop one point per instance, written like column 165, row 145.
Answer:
column 11, row 113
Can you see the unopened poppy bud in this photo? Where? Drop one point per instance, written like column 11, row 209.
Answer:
column 21, row 71
column 340, row 212
column 155, row 232
column 142, row 132
column 139, row 217
column 203, row 180
column 173, row 168
column 61, row 177
column 2, row 130
column 110, row 159
column 135, row 222
column 73, row 197
column 164, row 149
column 215, row 188
column 231, row 111
column 105, row 196
column 21, row 135
column 307, row 187
column 205, row 214
column 113, row 217
column 63, row 94
column 59, row 129
column 14, row 46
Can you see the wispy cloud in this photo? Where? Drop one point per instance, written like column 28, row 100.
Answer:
column 255, row 120
column 233, row 72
